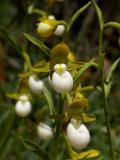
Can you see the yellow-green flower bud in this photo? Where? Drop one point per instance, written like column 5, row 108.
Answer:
column 47, row 27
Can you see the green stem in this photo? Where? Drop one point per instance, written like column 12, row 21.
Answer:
column 68, row 146
column 58, row 128
column 27, row 62
column 105, row 100
column 106, row 112
column 26, row 26
column 100, row 41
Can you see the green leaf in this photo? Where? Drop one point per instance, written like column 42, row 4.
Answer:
column 34, row 147
column 112, row 24
column 38, row 43
column 49, row 100
column 108, row 81
column 76, row 15
column 100, row 16
column 82, row 70
column 12, row 39
column 7, row 131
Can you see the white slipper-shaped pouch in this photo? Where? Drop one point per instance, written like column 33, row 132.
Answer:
column 78, row 134
column 36, row 86
column 62, row 80
column 44, row 131
column 23, row 106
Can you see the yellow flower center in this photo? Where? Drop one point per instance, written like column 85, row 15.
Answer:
column 60, row 68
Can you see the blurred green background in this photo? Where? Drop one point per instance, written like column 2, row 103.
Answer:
column 83, row 40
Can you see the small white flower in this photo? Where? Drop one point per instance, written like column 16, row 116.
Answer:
column 78, row 134
column 62, row 80
column 23, row 106
column 36, row 86
column 51, row 17
column 59, row 30
column 44, row 131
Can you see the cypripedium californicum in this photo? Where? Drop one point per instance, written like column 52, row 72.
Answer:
column 35, row 85
column 61, row 80
column 44, row 131
column 23, row 106
column 78, row 134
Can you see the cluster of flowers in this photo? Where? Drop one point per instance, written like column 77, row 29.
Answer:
column 62, row 82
